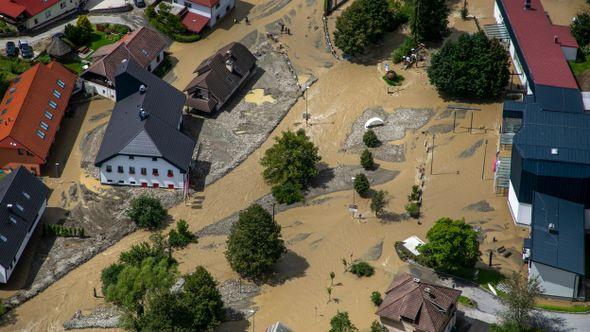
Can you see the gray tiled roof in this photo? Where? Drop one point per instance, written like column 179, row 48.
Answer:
column 155, row 136
column 564, row 247
column 14, row 222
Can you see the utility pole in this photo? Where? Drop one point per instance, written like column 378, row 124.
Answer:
column 454, row 121
column 490, row 259
column 471, row 125
column 432, row 155
column 273, row 212
column 306, row 113
column 483, row 167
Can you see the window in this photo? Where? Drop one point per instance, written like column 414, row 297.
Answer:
column 132, row 182
column 131, row 157
column 131, row 170
column 188, row 4
column 154, row 159
column 170, row 186
column 120, row 169
column 4, row 111
column 110, row 181
column 144, row 184
column 12, row 220
column 44, row 125
column 8, row 100
column 121, row 182
column 149, row 67
column 27, row 196
column 48, row 14
column 156, row 185
column 62, row 5
column 40, row 134
column 3, row 238
column 20, row 207
column 143, row 171
column 109, row 168
column 48, row 115
column 53, row 104
column 155, row 172
column 36, row 21
column 29, row 154
column 57, row 94
column 20, row 152
column 229, row 79
column 170, row 173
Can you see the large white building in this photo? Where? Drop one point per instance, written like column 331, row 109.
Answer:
column 143, row 144
column 33, row 14
column 23, row 199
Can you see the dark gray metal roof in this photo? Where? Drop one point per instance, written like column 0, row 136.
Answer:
column 21, row 189
column 563, row 248
column 559, row 99
column 156, row 135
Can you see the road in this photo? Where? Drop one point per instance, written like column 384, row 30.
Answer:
column 489, row 306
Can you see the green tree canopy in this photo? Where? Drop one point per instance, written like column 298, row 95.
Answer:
column 181, row 236
column 364, row 23
column 378, row 202
column 341, row 323
column 362, row 185
column 580, row 28
column 291, row 160
column 147, row 212
column 522, row 293
column 367, row 160
column 472, row 67
column 156, row 249
column 429, row 20
column 452, row 244
column 370, row 139
column 254, row 244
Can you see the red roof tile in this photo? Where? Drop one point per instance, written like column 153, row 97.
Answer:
column 535, row 35
column 11, row 9
column 32, row 7
column 194, row 22
column 25, row 103
column 564, row 36
column 206, row 3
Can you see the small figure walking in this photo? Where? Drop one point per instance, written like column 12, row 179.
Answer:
column 247, row 20
column 94, row 291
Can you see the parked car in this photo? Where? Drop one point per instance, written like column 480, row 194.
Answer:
column 11, row 49
column 25, row 49
column 139, row 3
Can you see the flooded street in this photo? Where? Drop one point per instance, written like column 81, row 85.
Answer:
column 320, row 235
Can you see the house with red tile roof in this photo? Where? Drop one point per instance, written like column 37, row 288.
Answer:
column 145, row 46
column 410, row 304
column 196, row 15
column 33, row 14
column 30, row 115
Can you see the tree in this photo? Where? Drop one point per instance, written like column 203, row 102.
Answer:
column 156, row 249
column 370, row 139
column 287, row 193
column 362, row 269
column 361, row 185
column 341, row 323
column 413, row 209
column 378, row 202
column 196, row 307
column 520, row 301
column 109, row 275
column 147, row 212
column 452, row 244
column 580, row 28
column 376, row 298
column 367, row 160
column 85, row 27
column 254, row 244
column 364, row 23
column 472, row 67
column 377, row 327
column 181, row 236
column 290, row 164
column 429, row 20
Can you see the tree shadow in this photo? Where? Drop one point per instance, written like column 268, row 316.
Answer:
column 391, row 217
column 290, row 266
column 324, row 177
column 548, row 324
column 234, row 326
column 468, row 324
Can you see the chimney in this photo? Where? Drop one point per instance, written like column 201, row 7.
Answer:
column 9, row 206
column 142, row 89
column 417, row 280
column 143, row 114
column 551, row 228
column 527, row 4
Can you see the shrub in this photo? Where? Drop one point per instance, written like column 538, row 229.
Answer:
column 147, row 212
column 287, row 193
column 188, row 38
column 362, row 269
column 378, row 202
column 377, row 327
column 472, row 67
column 370, row 139
column 254, row 244
column 413, row 209
column 3, row 308
column 181, row 236
column 405, row 49
column 376, row 298
column 367, row 160
column 397, row 80
column 109, row 275
column 415, row 194
column 361, row 185
column 341, row 323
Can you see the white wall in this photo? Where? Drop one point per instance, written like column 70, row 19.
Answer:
column 5, row 272
column 161, row 164
column 570, row 53
column 521, row 212
column 194, row 7
column 100, row 90
column 51, row 13
column 497, row 14
column 156, row 62
column 221, row 10
column 554, row 282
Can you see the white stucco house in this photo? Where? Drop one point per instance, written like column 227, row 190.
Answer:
column 143, row 144
column 145, row 46
column 28, row 14
column 23, row 199
column 198, row 14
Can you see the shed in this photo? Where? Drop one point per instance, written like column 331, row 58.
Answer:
column 58, row 48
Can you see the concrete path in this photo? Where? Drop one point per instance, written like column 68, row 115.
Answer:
column 489, row 306
column 133, row 19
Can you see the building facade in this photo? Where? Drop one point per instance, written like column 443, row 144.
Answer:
column 198, row 14
column 29, row 14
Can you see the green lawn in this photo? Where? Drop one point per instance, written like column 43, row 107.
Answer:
column 464, row 300
column 570, row 308
column 12, row 67
column 100, row 39
column 580, row 67
column 484, row 276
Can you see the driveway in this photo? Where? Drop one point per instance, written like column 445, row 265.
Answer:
column 489, row 305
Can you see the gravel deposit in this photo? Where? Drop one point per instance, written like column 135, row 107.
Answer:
column 237, row 296
column 101, row 317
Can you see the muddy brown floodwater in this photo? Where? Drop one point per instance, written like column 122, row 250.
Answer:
column 320, row 235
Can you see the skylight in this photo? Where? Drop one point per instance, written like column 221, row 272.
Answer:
column 12, row 220
column 44, row 125
column 61, row 84
column 57, row 94
column 20, row 207
column 144, row 52
column 40, row 134
column 27, row 196
column 48, row 115
column 3, row 238
column 53, row 104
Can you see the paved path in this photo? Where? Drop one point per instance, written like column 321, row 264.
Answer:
column 133, row 19
column 488, row 306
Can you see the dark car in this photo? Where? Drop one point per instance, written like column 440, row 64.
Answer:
column 139, row 3
column 10, row 49
column 25, row 49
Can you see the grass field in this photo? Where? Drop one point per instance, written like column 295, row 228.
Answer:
column 580, row 67
column 464, row 300
column 574, row 308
